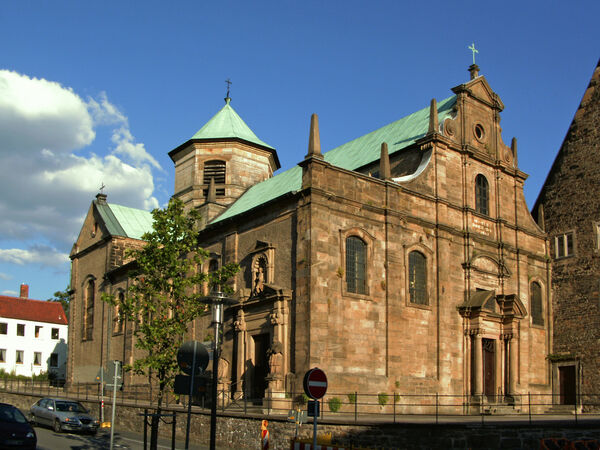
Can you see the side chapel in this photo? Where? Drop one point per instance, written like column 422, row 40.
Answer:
column 405, row 260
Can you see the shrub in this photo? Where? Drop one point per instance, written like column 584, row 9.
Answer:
column 382, row 398
column 334, row 404
column 396, row 397
column 302, row 399
column 352, row 397
column 12, row 376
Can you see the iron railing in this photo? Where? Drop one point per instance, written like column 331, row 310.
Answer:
column 347, row 407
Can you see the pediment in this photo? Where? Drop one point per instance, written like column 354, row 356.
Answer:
column 272, row 290
column 486, row 302
column 261, row 246
column 480, row 89
column 489, row 265
column 511, row 304
column 269, row 291
column 92, row 231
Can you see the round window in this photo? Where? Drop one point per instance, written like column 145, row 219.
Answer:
column 479, row 132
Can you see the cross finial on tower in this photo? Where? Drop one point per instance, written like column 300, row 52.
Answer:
column 102, row 188
column 227, row 98
column 474, row 50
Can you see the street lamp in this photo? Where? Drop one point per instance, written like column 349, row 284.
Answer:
column 216, row 299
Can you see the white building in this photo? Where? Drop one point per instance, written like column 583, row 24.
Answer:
column 33, row 336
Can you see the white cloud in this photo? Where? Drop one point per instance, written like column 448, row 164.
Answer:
column 10, row 293
column 38, row 254
column 4, row 276
column 46, row 188
column 104, row 112
column 36, row 113
column 135, row 152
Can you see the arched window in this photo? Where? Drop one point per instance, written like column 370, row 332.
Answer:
column 417, row 278
column 356, row 265
column 88, row 310
column 213, row 266
column 482, row 197
column 216, row 170
column 537, row 310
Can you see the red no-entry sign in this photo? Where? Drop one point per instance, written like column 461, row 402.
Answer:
column 315, row 383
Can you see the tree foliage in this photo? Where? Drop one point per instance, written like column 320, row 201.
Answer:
column 165, row 294
column 64, row 298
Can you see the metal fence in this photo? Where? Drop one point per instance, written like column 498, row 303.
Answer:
column 346, row 407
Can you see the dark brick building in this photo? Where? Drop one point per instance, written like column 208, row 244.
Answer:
column 568, row 208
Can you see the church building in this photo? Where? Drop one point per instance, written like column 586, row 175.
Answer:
column 404, row 260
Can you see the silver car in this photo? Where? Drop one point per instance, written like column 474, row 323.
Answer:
column 63, row 415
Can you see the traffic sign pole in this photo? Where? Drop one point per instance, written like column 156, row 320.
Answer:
column 189, row 415
column 116, row 377
column 315, row 424
column 315, row 386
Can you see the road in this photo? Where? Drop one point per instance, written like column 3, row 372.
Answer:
column 49, row 440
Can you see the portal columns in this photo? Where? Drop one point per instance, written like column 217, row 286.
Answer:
column 477, row 365
column 512, row 365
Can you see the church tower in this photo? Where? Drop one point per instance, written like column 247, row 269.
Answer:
column 220, row 162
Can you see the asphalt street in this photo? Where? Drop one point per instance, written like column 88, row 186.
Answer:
column 49, row 440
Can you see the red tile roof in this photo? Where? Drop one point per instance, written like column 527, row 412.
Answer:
column 34, row 310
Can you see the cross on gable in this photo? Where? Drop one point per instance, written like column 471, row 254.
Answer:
column 228, row 81
column 474, row 50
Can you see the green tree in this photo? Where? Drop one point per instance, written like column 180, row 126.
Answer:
column 163, row 297
column 64, row 297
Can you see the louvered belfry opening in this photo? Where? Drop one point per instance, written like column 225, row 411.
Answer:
column 214, row 169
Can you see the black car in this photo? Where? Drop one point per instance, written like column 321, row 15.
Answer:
column 15, row 430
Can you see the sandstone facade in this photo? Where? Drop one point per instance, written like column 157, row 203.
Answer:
column 410, row 272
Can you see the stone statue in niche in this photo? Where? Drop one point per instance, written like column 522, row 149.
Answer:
column 260, row 269
column 223, row 371
column 275, row 354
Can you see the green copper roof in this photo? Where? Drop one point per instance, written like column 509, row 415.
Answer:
column 351, row 156
column 124, row 221
column 228, row 124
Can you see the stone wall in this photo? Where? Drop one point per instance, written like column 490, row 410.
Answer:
column 239, row 432
column 571, row 205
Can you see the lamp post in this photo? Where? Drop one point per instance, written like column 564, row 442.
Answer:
column 216, row 299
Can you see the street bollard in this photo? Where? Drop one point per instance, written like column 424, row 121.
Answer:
column 264, row 435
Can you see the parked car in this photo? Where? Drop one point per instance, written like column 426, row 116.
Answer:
column 63, row 415
column 15, row 430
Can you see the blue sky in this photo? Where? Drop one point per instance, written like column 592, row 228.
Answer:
column 100, row 92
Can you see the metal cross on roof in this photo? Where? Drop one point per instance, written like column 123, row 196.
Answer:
column 228, row 81
column 102, row 188
column 474, row 50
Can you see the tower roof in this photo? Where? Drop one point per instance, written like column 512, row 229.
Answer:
column 228, row 124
